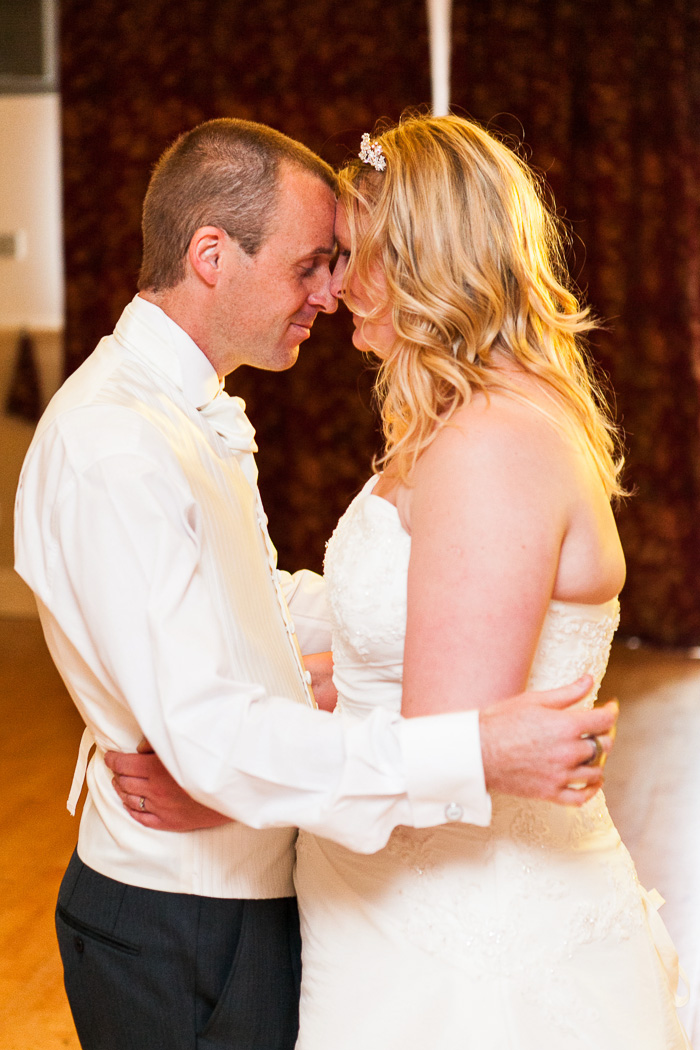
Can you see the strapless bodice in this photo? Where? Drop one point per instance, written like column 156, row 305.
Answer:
column 366, row 570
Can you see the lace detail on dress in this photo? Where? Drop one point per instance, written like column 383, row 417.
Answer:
column 478, row 901
column 532, row 867
column 368, row 609
column 575, row 640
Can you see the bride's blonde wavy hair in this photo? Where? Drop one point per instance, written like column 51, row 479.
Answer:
column 456, row 239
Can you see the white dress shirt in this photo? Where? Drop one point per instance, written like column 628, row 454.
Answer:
column 141, row 533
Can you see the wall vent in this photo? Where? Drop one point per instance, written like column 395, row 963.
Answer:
column 13, row 245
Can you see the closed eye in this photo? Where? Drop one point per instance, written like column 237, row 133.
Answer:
column 319, row 262
column 341, row 260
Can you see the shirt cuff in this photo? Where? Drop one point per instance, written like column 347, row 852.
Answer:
column 305, row 594
column 444, row 770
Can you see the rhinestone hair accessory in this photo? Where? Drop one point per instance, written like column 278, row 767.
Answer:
column 371, row 153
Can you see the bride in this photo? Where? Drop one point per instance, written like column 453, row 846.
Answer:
column 484, row 551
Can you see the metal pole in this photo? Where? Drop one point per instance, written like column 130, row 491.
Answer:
column 439, row 24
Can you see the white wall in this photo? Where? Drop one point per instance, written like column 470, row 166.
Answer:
column 31, row 288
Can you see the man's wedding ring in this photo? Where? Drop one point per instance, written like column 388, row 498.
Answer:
column 598, row 752
column 142, row 802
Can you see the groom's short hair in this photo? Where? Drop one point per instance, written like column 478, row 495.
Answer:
column 222, row 173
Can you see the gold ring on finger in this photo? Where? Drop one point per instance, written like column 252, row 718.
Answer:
column 598, row 751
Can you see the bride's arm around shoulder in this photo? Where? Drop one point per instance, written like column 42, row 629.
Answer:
column 504, row 512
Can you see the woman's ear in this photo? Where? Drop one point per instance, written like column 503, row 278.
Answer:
column 205, row 252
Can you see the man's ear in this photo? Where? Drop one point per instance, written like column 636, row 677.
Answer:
column 205, row 252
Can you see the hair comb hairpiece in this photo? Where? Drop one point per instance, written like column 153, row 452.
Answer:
column 371, row 153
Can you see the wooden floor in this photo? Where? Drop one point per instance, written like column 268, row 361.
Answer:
column 653, row 790
column 40, row 731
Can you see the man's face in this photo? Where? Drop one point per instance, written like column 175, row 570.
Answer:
column 267, row 303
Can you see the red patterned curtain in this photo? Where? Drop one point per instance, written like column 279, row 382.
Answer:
column 604, row 95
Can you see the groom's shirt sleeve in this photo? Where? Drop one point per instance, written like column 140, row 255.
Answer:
column 305, row 594
column 112, row 552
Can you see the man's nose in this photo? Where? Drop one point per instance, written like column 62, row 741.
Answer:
column 323, row 297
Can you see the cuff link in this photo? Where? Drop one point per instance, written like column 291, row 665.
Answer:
column 453, row 812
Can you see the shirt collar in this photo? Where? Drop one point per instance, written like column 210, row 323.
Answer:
column 148, row 331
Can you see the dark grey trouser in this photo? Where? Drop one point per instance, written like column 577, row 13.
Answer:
column 146, row 970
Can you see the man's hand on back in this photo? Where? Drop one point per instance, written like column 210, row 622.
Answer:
column 535, row 745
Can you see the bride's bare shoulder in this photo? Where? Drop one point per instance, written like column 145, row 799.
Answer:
column 507, row 451
column 503, row 424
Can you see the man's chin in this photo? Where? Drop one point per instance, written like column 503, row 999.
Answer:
column 280, row 357
column 284, row 360
column 293, row 357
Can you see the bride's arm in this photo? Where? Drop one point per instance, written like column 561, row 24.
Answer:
column 488, row 515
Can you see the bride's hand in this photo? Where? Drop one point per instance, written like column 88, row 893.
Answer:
column 152, row 797
column 320, row 665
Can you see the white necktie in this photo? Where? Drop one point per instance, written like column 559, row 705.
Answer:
column 227, row 416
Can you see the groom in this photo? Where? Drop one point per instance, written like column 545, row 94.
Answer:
column 140, row 530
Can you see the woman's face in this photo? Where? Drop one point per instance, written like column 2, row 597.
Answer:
column 377, row 335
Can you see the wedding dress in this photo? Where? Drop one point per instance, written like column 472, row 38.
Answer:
column 533, row 933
